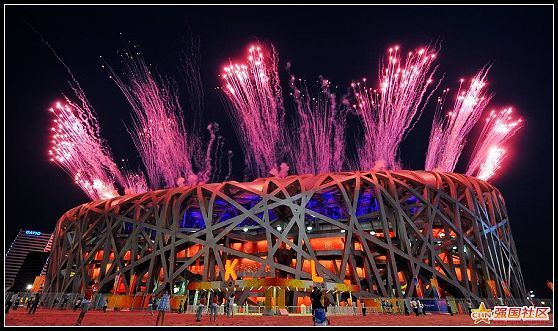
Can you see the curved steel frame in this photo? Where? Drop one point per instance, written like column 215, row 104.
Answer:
column 438, row 224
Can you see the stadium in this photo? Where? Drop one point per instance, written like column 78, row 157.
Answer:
column 394, row 234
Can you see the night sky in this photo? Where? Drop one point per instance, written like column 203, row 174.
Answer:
column 341, row 43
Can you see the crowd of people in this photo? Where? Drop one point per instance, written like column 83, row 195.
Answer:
column 213, row 306
column 210, row 302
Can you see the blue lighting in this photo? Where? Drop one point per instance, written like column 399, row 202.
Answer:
column 192, row 218
column 413, row 200
column 128, row 227
column 32, row 233
column 226, row 211
column 326, row 204
column 367, row 203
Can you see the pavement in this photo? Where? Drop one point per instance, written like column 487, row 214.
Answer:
column 48, row 317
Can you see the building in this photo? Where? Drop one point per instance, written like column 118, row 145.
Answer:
column 372, row 234
column 26, row 258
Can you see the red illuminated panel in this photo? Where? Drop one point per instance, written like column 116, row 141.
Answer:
column 327, row 244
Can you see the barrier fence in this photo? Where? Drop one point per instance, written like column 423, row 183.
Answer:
column 371, row 305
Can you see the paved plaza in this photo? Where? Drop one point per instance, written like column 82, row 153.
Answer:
column 139, row 318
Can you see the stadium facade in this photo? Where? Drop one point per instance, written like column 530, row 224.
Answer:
column 373, row 234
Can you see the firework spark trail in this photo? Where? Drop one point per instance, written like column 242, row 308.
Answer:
column 229, row 164
column 319, row 142
column 489, row 152
column 390, row 112
column 449, row 132
column 254, row 94
column 218, row 159
column 205, row 174
column 74, row 84
column 190, row 59
column 71, row 117
column 77, row 148
column 134, row 182
column 158, row 130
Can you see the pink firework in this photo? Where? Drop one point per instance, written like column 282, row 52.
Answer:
column 318, row 145
column 256, row 108
column 134, row 182
column 389, row 112
column 77, row 147
column 158, row 131
column 449, row 132
column 489, row 152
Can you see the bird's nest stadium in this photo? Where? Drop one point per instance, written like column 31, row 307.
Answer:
column 374, row 234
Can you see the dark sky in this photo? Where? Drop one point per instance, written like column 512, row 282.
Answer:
column 342, row 43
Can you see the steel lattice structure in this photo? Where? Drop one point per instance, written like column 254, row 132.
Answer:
column 390, row 233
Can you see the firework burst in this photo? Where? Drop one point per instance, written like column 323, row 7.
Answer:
column 489, row 152
column 389, row 112
column 158, row 128
column 256, row 108
column 77, row 147
column 449, row 131
column 318, row 144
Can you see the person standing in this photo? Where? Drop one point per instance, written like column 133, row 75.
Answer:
column 315, row 299
column 29, row 303
column 35, row 303
column 213, row 310
column 226, row 307
column 164, row 305
column 64, row 302
column 420, row 306
column 10, row 302
column 384, row 307
column 450, row 311
column 201, row 306
column 405, row 304
column 89, row 291
column 470, row 306
column 150, row 306
column 231, row 305
column 103, row 302
column 16, row 302
column 414, row 306
column 181, row 307
column 363, row 308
